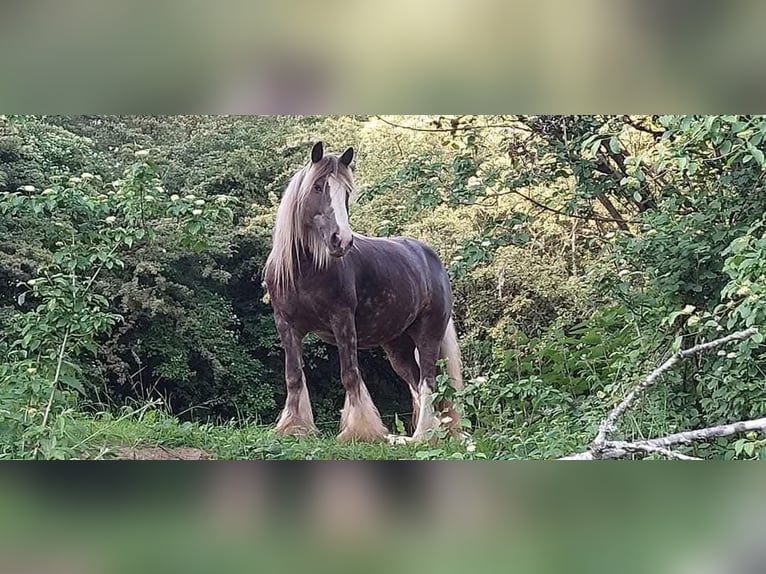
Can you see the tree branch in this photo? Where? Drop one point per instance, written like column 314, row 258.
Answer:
column 641, row 127
column 519, row 126
column 559, row 212
column 602, row 447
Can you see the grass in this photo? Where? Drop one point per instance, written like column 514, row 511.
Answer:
column 103, row 435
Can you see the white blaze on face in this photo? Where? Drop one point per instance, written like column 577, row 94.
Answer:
column 338, row 200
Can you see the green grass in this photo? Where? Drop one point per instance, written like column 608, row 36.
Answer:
column 102, row 435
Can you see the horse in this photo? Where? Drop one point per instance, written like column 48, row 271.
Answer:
column 357, row 292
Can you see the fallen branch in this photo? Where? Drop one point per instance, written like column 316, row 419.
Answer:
column 603, row 447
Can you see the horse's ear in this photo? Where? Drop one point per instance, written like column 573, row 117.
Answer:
column 347, row 156
column 317, row 152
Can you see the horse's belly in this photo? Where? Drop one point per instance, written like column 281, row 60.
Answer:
column 376, row 327
column 367, row 339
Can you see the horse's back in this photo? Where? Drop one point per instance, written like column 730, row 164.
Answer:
column 402, row 254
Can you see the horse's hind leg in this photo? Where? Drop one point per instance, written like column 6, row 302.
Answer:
column 401, row 355
column 360, row 419
column 427, row 333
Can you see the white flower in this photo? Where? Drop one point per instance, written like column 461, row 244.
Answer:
column 174, row 197
column 199, row 202
column 221, row 199
column 31, row 282
column 149, row 198
column 27, row 188
column 471, row 448
column 743, row 290
column 111, row 219
column 446, row 420
column 86, row 175
column 31, row 370
column 142, row 153
column 48, row 191
column 481, row 380
column 196, row 212
column 159, row 189
column 191, row 197
column 474, row 181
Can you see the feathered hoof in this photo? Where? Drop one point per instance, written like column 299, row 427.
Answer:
column 363, row 433
column 295, row 427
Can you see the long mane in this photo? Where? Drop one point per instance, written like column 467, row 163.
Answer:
column 291, row 237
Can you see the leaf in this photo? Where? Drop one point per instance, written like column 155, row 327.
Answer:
column 22, row 297
column 757, row 154
column 72, row 382
column 614, row 144
column 595, row 147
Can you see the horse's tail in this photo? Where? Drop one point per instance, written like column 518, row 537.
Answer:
column 450, row 352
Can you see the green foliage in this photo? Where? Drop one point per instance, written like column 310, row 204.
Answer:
column 550, row 392
column 45, row 345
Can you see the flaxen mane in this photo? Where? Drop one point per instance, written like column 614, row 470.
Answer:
column 290, row 235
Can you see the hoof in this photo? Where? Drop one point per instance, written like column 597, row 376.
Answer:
column 295, row 428
column 362, row 435
column 397, row 439
column 400, row 440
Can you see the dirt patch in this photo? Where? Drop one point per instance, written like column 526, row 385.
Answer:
column 161, row 453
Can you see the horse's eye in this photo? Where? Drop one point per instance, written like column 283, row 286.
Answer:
column 318, row 188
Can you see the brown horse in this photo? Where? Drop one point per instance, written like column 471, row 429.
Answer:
column 356, row 292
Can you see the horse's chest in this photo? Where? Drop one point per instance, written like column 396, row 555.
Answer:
column 308, row 313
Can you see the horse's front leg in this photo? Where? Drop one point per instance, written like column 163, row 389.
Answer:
column 360, row 419
column 296, row 417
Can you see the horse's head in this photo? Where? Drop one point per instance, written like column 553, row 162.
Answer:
column 329, row 184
